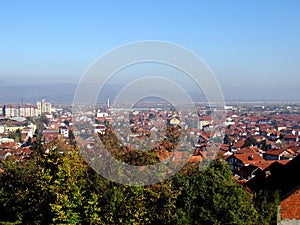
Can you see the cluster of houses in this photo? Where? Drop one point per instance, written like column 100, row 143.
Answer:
column 263, row 151
column 143, row 123
column 262, row 147
column 58, row 128
column 18, row 133
column 26, row 110
column 253, row 142
column 16, row 136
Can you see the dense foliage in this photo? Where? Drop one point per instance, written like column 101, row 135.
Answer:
column 58, row 187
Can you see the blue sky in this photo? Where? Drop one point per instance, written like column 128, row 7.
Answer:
column 253, row 47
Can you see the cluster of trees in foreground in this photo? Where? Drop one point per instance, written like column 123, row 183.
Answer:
column 56, row 188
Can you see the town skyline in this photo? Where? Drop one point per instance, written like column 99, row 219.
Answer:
column 258, row 144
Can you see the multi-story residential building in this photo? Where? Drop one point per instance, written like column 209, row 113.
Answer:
column 22, row 110
column 43, row 107
column 28, row 110
column 10, row 111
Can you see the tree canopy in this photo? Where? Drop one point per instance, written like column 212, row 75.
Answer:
column 58, row 187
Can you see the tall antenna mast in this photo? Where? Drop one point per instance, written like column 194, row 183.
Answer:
column 108, row 103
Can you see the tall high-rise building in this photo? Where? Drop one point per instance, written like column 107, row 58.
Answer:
column 43, row 107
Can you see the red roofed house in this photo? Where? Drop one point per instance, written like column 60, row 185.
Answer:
column 279, row 154
column 291, row 137
column 238, row 145
column 286, row 179
column 244, row 164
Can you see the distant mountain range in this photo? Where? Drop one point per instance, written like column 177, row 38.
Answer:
column 58, row 92
column 64, row 93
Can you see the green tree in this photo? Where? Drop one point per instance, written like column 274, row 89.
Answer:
column 226, row 139
column 250, row 141
column 43, row 118
column 264, row 146
column 41, row 122
column 22, row 201
column 215, row 198
column 51, row 187
column 267, row 202
column 56, row 186
column 73, row 203
column 16, row 135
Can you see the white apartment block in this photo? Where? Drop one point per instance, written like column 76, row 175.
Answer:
column 23, row 111
column 43, row 107
column 10, row 111
column 28, row 111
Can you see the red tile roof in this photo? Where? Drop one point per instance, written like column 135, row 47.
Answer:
column 250, row 158
column 239, row 144
column 290, row 206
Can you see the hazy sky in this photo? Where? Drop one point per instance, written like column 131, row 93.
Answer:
column 253, row 47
